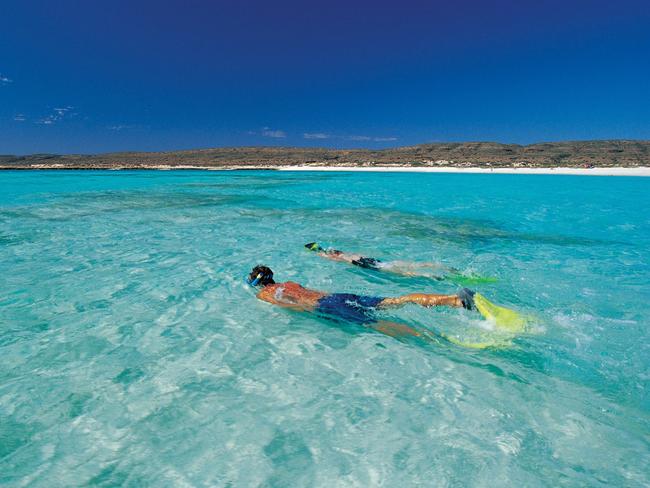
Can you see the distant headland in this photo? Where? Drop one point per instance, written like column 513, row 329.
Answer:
column 483, row 155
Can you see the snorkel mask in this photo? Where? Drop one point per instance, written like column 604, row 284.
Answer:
column 314, row 246
column 260, row 276
column 254, row 282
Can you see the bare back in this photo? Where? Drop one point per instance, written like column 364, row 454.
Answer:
column 291, row 295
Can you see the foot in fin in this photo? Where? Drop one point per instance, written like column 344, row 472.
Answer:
column 467, row 298
column 503, row 317
column 469, row 280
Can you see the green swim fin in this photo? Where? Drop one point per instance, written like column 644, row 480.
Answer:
column 469, row 280
column 504, row 318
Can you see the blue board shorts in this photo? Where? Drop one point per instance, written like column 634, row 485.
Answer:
column 368, row 263
column 349, row 307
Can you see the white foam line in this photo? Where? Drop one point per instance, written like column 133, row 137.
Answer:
column 613, row 171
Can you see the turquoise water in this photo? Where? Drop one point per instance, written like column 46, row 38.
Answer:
column 132, row 353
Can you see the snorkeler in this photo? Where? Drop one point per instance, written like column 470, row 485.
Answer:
column 404, row 268
column 349, row 307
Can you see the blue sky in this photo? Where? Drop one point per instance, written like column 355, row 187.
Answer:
column 95, row 76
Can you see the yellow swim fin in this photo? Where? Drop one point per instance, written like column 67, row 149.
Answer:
column 503, row 318
column 474, row 345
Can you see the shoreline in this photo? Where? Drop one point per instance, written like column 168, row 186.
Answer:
column 612, row 171
column 642, row 171
column 563, row 157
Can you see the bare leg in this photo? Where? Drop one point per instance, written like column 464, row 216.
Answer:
column 395, row 329
column 416, row 265
column 403, row 331
column 425, row 270
column 422, row 299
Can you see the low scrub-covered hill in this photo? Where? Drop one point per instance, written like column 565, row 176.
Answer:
column 553, row 154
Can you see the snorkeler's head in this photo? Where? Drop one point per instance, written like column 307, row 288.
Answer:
column 260, row 276
column 314, row 246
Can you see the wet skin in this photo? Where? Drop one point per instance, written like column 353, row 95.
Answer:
column 404, row 268
column 294, row 296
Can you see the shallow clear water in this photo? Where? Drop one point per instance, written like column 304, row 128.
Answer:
column 132, row 353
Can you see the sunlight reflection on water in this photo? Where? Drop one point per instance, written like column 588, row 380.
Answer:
column 132, row 352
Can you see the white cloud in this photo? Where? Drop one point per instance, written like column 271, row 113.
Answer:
column 280, row 134
column 369, row 138
column 58, row 114
column 277, row 134
column 120, row 127
column 4, row 80
column 62, row 111
column 315, row 135
column 20, row 118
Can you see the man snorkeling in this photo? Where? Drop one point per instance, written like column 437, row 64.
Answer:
column 399, row 267
column 433, row 271
column 348, row 307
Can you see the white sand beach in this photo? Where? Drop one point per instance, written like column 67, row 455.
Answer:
column 613, row 171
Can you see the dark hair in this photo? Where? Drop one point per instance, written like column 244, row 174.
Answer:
column 265, row 275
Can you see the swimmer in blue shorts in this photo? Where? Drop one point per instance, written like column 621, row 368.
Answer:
column 349, row 307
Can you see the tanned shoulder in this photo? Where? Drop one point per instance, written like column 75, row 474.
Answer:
column 267, row 294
